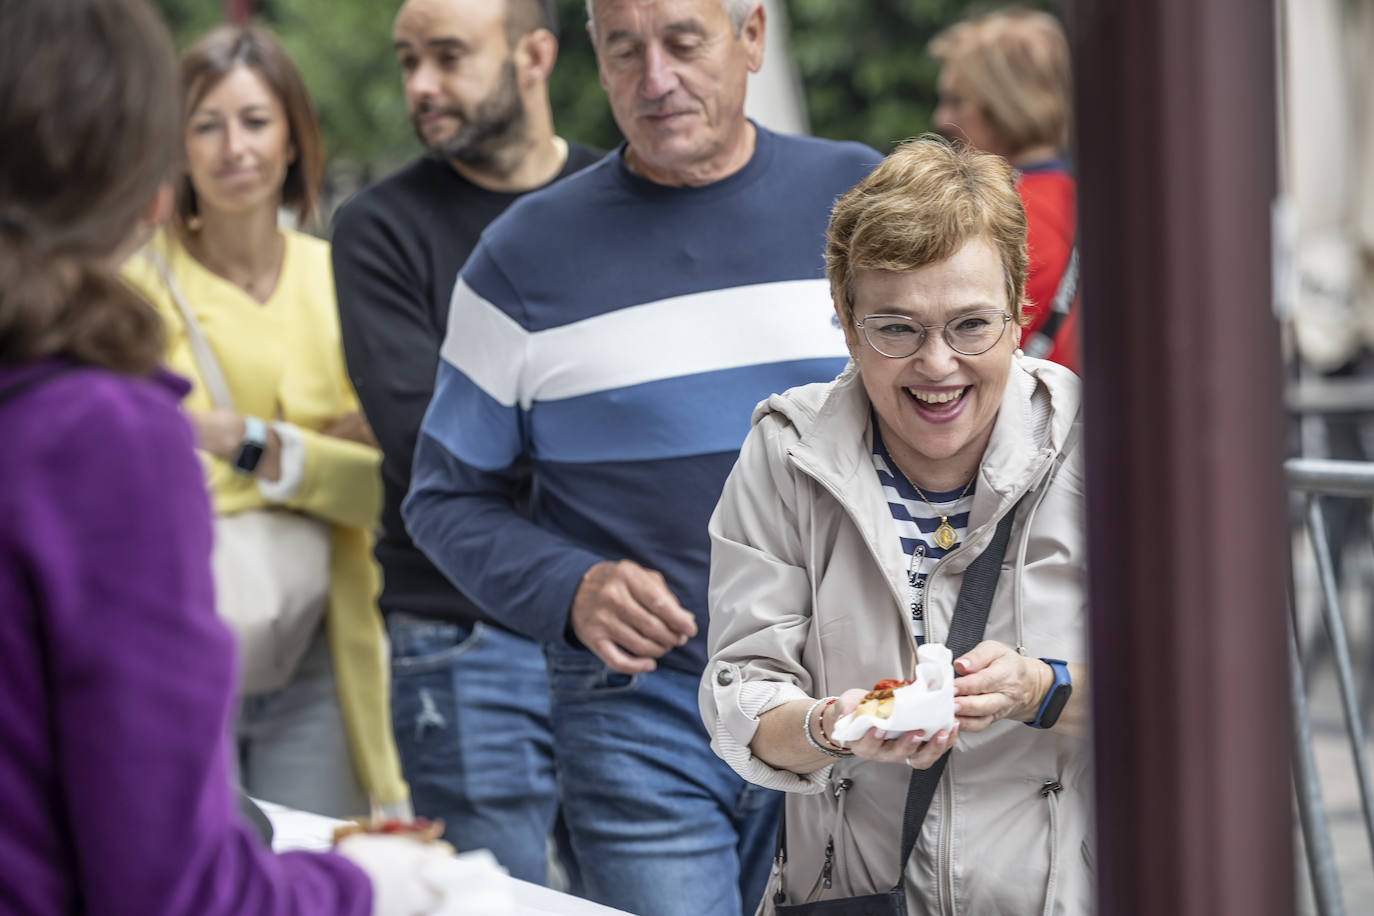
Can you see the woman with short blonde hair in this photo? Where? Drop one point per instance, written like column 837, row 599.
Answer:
column 860, row 521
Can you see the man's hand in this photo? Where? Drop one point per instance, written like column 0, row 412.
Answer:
column 627, row 616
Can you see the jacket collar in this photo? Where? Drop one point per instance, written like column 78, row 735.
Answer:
column 1039, row 407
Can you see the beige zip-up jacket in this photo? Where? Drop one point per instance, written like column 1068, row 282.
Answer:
column 808, row 598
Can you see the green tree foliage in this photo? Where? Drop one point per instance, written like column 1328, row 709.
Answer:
column 188, row 18
column 863, row 63
column 580, row 109
column 343, row 50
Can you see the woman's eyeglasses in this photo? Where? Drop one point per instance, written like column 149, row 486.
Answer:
column 969, row 334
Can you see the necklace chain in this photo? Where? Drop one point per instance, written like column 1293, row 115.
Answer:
column 945, row 535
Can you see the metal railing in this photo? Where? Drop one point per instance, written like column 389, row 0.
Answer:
column 1318, row 478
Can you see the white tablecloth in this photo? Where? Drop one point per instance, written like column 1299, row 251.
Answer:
column 294, row 829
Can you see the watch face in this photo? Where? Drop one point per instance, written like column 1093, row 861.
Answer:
column 250, row 453
column 1054, row 705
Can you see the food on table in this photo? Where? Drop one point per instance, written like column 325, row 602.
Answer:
column 421, row 830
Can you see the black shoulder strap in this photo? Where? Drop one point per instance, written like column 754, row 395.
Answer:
column 1042, row 341
column 15, row 389
column 965, row 632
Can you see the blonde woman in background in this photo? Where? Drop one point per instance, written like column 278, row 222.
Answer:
column 263, row 299
column 1006, row 87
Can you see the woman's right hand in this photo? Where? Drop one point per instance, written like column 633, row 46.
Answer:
column 913, row 749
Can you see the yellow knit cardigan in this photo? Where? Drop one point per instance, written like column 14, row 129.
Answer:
column 283, row 360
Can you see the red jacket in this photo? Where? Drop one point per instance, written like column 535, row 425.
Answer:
column 1049, row 196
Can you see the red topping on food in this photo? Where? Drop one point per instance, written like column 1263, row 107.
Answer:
column 422, row 829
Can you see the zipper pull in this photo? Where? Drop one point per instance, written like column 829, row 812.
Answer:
column 1051, row 786
column 843, row 786
column 827, row 869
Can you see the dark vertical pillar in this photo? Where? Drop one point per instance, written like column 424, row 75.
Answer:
column 1175, row 115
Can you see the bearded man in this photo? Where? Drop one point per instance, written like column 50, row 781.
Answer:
column 470, row 699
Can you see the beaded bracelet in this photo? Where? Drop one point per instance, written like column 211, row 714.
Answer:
column 806, row 730
column 820, row 726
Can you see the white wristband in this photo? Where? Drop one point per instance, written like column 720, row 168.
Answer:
column 292, row 463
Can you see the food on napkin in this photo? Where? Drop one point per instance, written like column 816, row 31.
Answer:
column 421, row 830
column 878, row 702
column 926, row 703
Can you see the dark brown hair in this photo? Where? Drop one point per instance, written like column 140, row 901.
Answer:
column 89, row 113
column 211, row 59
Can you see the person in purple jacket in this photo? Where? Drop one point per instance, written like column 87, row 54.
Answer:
column 116, row 677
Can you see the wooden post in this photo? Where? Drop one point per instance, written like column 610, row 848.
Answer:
column 1176, row 160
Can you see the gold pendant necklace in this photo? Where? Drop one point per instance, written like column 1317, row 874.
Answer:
column 945, row 536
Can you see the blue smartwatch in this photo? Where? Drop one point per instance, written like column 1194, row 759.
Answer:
column 253, row 445
column 1059, row 694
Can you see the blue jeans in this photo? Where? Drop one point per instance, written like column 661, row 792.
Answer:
column 292, row 744
column 470, row 708
column 659, row 825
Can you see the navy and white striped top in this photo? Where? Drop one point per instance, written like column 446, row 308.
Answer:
column 916, row 521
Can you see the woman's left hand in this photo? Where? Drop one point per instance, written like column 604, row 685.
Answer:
column 994, row 681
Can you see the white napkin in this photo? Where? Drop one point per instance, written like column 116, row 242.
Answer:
column 927, row 703
column 410, row 878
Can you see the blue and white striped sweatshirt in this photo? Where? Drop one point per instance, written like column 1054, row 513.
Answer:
column 610, row 337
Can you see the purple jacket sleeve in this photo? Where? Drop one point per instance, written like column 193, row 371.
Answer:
column 141, row 671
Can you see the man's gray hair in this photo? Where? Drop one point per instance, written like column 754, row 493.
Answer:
column 737, row 10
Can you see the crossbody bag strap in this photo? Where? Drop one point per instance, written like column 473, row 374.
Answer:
column 965, row 632
column 1042, row 341
column 201, row 352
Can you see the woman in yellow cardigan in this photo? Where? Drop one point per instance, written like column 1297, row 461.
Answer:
column 263, row 298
